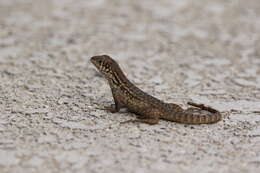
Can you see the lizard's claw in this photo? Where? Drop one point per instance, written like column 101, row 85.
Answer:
column 108, row 108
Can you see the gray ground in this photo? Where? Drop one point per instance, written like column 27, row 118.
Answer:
column 202, row 51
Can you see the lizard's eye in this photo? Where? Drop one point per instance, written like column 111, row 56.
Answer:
column 99, row 61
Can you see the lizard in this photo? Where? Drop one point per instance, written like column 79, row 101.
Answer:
column 148, row 109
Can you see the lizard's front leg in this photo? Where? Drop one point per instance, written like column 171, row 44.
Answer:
column 113, row 108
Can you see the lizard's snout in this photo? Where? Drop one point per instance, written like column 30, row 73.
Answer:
column 93, row 60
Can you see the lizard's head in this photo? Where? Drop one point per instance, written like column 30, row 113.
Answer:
column 104, row 64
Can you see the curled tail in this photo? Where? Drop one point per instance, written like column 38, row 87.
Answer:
column 203, row 107
column 195, row 115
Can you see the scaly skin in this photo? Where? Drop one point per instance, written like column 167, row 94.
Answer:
column 148, row 108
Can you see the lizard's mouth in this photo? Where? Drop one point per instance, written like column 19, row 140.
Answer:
column 93, row 61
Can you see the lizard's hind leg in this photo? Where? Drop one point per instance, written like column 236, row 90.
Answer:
column 175, row 107
column 149, row 116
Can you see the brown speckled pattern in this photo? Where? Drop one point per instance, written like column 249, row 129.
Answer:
column 127, row 95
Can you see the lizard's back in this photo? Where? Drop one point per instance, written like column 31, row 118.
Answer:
column 148, row 106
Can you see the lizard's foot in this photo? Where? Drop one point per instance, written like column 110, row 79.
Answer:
column 110, row 108
column 147, row 121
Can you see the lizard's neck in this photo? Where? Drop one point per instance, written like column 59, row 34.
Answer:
column 120, row 81
column 118, row 77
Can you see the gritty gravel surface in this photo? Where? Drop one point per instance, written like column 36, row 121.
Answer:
column 202, row 51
